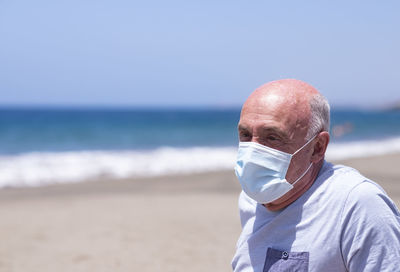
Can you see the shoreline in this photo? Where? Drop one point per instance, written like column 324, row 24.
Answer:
column 170, row 223
column 44, row 168
column 379, row 168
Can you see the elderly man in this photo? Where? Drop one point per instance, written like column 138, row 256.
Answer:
column 298, row 212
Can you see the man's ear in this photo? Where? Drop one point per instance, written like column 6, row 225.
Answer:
column 320, row 146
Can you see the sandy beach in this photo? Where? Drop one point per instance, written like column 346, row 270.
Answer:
column 170, row 223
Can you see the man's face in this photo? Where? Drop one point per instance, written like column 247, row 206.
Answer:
column 280, row 121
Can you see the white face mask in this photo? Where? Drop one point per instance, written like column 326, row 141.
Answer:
column 261, row 171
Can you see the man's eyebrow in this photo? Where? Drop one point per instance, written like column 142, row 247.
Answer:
column 242, row 127
column 276, row 130
column 272, row 129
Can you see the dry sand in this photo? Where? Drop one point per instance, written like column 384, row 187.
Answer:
column 174, row 223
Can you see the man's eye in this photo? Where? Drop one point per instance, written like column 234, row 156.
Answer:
column 272, row 138
column 244, row 135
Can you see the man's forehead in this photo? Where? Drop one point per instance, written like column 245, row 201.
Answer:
column 262, row 97
column 270, row 105
column 275, row 111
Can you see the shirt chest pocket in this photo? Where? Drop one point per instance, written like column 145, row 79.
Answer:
column 284, row 261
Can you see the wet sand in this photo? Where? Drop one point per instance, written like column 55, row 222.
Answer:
column 170, row 223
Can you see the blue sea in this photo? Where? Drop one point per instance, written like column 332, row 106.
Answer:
column 40, row 146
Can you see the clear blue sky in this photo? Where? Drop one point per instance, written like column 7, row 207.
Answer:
column 195, row 53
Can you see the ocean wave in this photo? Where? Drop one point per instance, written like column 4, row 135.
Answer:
column 37, row 169
column 43, row 168
column 355, row 149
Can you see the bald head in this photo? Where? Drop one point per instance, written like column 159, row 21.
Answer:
column 290, row 86
column 297, row 100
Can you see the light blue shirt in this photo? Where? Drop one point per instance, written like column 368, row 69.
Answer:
column 344, row 222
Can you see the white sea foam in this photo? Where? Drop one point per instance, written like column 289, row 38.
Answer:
column 346, row 150
column 37, row 169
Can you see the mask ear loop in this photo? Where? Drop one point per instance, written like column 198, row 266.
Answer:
column 305, row 172
column 309, row 141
